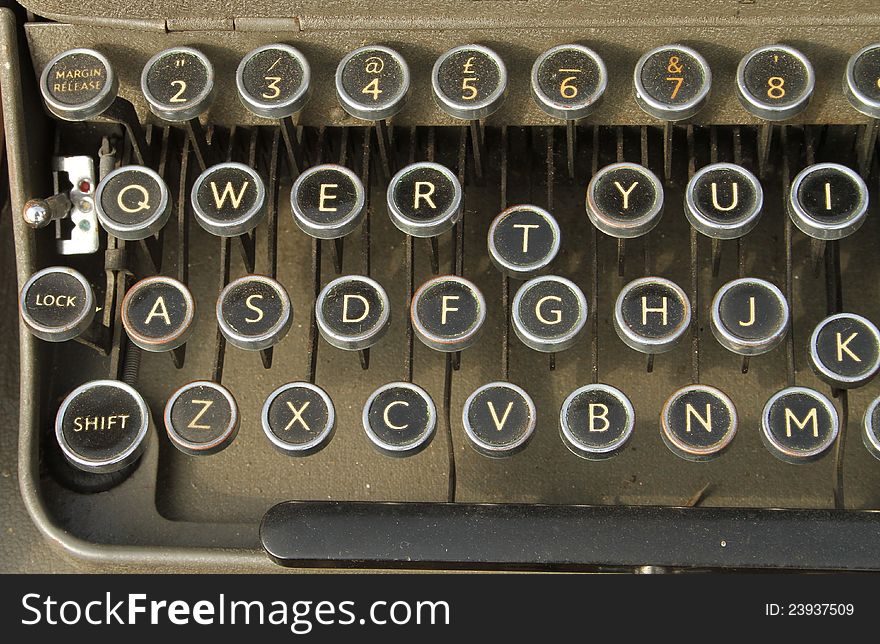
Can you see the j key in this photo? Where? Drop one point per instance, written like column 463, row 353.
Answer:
column 372, row 83
column 400, row 419
column 775, row 82
column 625, row 200
column 158, row 314
column 568, row 81
column 549, row 313
column 101, row 426
column 596, row 421
column 798, row 425
column 871, row 428
column 723, row 201
column 229, row 199
column 132, row 203
column 845, row 350
column 672, row 82
column 201, row 418
column 499, row 419
column 698, row 422
column 57, row 304
column 828, row 201
column 254, row 312
column 469, row 82
column 749, row 316
column 523, row 241
column 298, row 419
column 424, row 199
column 651, row 315
column 353, row 312
column 448, row 313
column 327, row 201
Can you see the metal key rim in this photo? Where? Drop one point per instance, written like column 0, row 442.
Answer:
column 690, row 452
column 216, row 445
column 191, row 108
column 300, row 449
column 90, row 109
column 829, row 376
column 816, row 228
column 591, row 452
column 858, row 99
column 141, row 230
column 364, row 111
column 417, row 444
column 621, row 228
column 559, row 342
column 498, row 451
column 745, row 346
column 428, row 227
column 528, row 270
column 562, row 110
column 723, row 229
column 336, row 229
column 357, row 341
column 787, row 454
column 70, row 330
column 478, row 109
column 245, row 222
column 271, row 336
column 651, row 345
column 769, row 111
column 288, row 107
column 169, row 342
column 666, row 111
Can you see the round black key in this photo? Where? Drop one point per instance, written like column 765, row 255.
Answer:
column 57, row 304
column 201, row 418
column 254, row 312
column 353, row 312
column 871, row 428
column 523, row 240
column 448, row 313
column 828, row 201
column 78, row 84
column 549, row 313
column 372, row 83
column 299, row 419
column 273, row 81
column 178, row 83
column 798, row 425
column 158, row 313
column 625, row 200
column 469, row 82
column 327, row 201
column 101, row 426
column 723, row 201
column 400, row 418
column 845, row 350
column 775, row 82
column 672, row 82
column 132, row 202
column 749, row 316
column 596, row 421
column 862, row 82
column 499, row 419
column 698, row 422
column 229, row 199
column 568, row 81
column 651, row 315
column 424, row 199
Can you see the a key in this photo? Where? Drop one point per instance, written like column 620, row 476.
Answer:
column 158, row 314
column 549, row 313
column 254, row 312
column 298, row 419
column 201, row 418
column 798, row 425
column 327, row 201
column 845, row 350
column 353, row 312
column 132, row 203
column 523, row 241
column 596, row 421
column 229, row 199
column 499, row 419
column 400, row 419
column 57, row 304
column 448, row 313
column 698, row 422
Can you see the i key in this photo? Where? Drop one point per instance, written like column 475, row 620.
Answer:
column 178, row 84
column 298, row 419
column 372, row 84
column 596, row 421
column 798, row 425
column 651, row 315
column 201, row 418
column 158, row 314
column 499, row 419
column 774, row 83
column 254, row 312
column 845, row 350
column 568, row 82
column 400, row 419
column 274, row 81
column 448, row 313
column 862, row 88
column 470, row 83
column 57, row 304
column 523, row 241
column 698, row 422
column 80, row 85
column 671, row 83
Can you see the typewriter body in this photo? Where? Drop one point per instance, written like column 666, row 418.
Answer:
column 671, row 424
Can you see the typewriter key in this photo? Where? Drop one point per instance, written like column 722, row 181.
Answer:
column 327, row 201
column 353, row 312
column 871, row 428
column 596, row 421
column 568, row 81
column 698, row 422
column 57, row 304
column 672, row 82
column 298, row 418
column 229, row 199
column 749, row 316
column 845, row 350
column 101, row 426
column 828, row 201
column 132, row 203
column 424, row 199
column 862, row 88
column 775, row 82
column 201, row 418
column 448, row 313
column 469, row 82
column 523, row 240
column 651, row 315
column 158, row 313
column 624, row 200
column 273, row 81
column 798, row 425
column 400, row 418
column 80, row 85
column 372, row 83
column 499, row 419
column 254, row 312
column 549, row 313
column 723, row 201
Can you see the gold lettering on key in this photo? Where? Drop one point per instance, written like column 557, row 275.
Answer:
column 734, row 199
column 751, row 320
column 663, row 309
column 499, row 424
column 447, row 309
column 159, row 310
column 706, row 422
column 468, row 80
column 206, row 405
column 602, row 415
column 353, row 320
column 810, row 417
column 229, row 191
column 525, row 237
column 842, row 347
column 297, row 416
column 418, row 195
column 625, row 193
column 388, row 420
column 674, row 67
column 557, row 313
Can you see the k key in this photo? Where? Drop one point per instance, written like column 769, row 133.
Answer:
column 845, row 350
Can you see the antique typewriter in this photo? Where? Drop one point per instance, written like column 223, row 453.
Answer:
column 466, row 285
